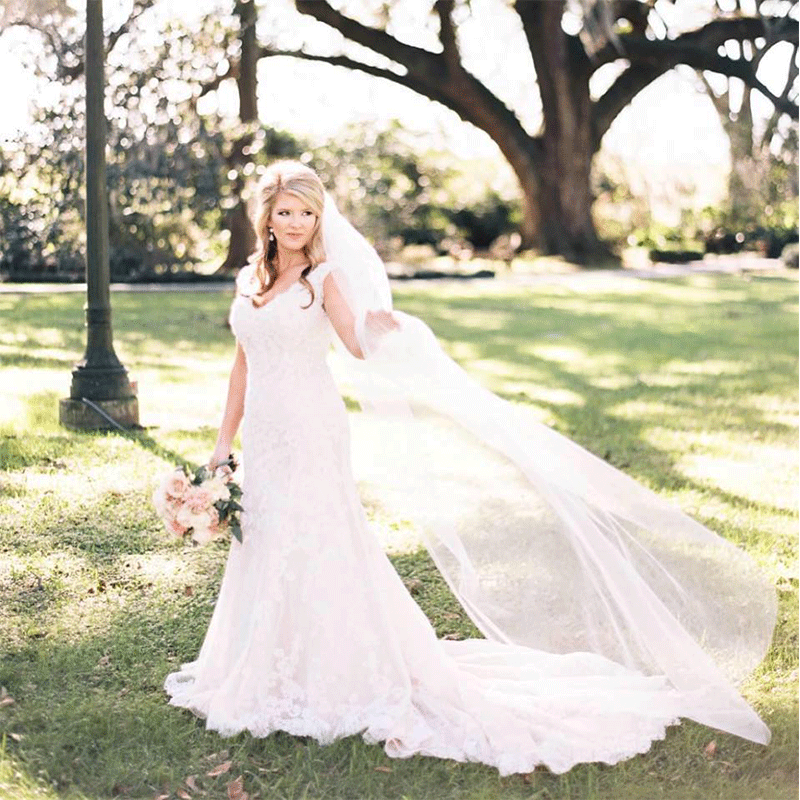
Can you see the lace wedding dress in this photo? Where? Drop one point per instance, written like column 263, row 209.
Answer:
column 314, row 632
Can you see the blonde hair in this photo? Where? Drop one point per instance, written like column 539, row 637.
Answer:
column 295, row 178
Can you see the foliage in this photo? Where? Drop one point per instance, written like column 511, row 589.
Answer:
column 386, row 184
column 399, row 192
column 762, row 216
column 488, row 219
column 167, row 172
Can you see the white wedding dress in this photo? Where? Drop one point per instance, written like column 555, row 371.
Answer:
column 314, row 632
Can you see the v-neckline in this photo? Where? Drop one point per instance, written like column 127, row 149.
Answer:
column 275, row 296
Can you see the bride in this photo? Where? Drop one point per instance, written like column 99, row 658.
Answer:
column 608, row 613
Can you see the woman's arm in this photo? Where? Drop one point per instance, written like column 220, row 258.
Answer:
column 341, row 317
column 234, row 408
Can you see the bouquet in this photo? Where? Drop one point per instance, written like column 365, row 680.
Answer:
column 200, row 504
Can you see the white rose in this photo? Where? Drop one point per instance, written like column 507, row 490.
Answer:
column 217, row 488
column 204, row 535
column 191, row 520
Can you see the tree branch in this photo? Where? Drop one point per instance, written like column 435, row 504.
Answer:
column 343, row 61
column 720, row 101
column 709, row 37
column 652, row 58
column 425, row 71
column 772, row 125
column 414, row 59
column 475, row 104
column 447, row 34
column 69, row 72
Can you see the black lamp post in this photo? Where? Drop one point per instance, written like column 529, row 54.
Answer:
column 101, row 395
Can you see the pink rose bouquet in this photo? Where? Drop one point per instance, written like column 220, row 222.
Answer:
column 200, row 504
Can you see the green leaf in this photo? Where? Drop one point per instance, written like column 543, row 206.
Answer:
column 236, row 531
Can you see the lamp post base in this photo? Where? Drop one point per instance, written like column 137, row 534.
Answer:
column 77, row 415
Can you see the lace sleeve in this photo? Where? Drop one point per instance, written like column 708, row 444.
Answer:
column 319, row 273
column 243, row 277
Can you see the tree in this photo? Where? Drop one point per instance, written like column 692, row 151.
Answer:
column 554, row 165
column 242, row 236
column 754, row 154
column 165, row 164
column 175, row 175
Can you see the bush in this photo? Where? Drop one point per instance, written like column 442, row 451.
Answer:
column 789, row 256
column 675, row 256
column 481, row 224
column 20, row 241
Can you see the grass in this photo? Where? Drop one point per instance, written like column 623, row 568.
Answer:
column 689, row 385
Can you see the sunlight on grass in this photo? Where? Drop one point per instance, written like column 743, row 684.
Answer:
column 735, row 475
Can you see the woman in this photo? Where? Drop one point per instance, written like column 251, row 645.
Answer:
column 609, row 614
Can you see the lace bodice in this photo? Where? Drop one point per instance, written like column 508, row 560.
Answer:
column 282, row 335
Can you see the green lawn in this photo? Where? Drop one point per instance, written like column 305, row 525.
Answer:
column 689, row 385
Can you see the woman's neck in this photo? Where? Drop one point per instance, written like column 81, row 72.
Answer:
column 287, row 261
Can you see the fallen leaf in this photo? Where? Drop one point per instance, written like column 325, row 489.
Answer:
column 183, row 794
column 103, row 662
column 6, row 701
column 236, row 789
column 192, row 784
column 710, row 749
column 383, row 769
column 188, row 590
column 15, row 736
column 161, row 797
column 219, row 770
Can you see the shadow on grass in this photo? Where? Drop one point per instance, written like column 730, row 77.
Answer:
column 182, row 323
column 95, row 720
column 674, row 334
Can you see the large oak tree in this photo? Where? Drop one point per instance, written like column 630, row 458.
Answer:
column 554, row 165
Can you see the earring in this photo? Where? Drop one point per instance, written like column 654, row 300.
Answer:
column 271, row 235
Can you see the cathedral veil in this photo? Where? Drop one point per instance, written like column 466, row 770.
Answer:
column 544, row 544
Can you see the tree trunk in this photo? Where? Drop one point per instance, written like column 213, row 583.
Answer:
column 565, row 198
column 243, row 237
column 567, row 143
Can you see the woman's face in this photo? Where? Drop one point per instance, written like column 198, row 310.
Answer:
column 292, row 221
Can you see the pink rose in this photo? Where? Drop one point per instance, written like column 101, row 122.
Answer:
column 208, row 530
column 176, row 484
column 195, row 520
column 198, row 499
column 174, row 527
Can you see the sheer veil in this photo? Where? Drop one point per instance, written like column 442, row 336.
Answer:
column 544, row 544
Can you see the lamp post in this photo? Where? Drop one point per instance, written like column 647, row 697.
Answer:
column 101, row 393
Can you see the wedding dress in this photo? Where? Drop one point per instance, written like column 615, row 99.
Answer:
column 314, row 632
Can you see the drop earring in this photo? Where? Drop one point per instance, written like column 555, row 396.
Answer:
column 271, row 235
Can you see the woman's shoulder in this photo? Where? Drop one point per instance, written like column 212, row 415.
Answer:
column 244, row 275
column 320, row 271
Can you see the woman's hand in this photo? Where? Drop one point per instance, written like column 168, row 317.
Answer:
column 219, row 456
column 381, row 321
